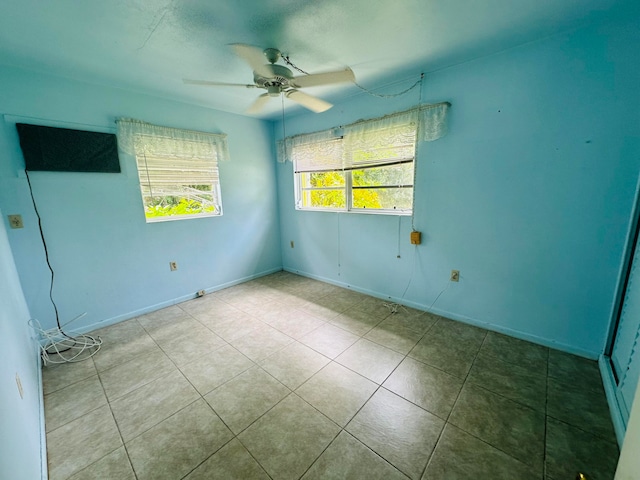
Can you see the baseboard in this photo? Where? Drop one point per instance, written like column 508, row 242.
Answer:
column 609, row 384
column 546, row 342
column 44, row 467
column 167, row 303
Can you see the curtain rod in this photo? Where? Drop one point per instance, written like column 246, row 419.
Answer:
column 357, row 122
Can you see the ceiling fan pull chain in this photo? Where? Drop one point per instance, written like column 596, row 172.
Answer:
column 292, row 65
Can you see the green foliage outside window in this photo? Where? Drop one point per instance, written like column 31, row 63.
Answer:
column 183, row 200
column 183, row 207
column 333, row 198
column 398, row 195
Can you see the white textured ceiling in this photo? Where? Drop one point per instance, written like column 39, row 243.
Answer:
column 151, row 45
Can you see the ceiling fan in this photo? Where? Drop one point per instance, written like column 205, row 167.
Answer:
column 278, row 79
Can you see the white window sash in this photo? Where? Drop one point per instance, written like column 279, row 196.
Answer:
column 170, row 161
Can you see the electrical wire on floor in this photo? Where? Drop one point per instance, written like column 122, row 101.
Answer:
column 394, row 307
column 56, row 345
column 59, row 347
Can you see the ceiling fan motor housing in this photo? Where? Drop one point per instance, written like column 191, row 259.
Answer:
column 281, row 77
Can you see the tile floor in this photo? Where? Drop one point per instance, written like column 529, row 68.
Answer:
column 285, row 377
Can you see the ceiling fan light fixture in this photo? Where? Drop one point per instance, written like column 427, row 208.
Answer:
column 272, row 54
column 273, row 90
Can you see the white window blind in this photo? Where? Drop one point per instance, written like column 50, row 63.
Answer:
column 177, row 169
column 366, row 142
column 380, row 142
column 315, row 152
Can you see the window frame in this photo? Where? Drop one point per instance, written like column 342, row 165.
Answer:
column 348, row 188
column 215, row 192
column 175, row 168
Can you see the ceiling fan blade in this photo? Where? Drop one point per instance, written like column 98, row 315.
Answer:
column 189, row 81
column 254, row 56
column 259, row 104
column 327, row 78
column 312, row 103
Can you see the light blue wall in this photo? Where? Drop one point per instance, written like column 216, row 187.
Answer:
column 108, row 262
column 20, row 418
column 529, row 195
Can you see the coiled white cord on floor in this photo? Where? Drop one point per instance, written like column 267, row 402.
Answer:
column 56, row 346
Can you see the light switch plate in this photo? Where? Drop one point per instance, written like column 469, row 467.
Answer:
column 15, row 221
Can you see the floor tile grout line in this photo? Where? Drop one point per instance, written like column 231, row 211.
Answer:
column 344, row 429
column 497, row 394
column 69, row 384
column 124, row 445
column 341, row 429
column 333, row 360
column 237, row 436
column 466, row 380
column 233, row 437
column 457, row 397
column 446, row 421
column 470, row 433
column 379, row 386
column 201, row 396
column 597, row 436
column 154, row 425
column 346, row 432
column 47, row 432
column 254, row 458
column 163, row 420
column 115, row 423
column 226, row 381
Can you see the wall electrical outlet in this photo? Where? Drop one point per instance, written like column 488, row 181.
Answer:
column 200, row 293
column 292, row 245
column 455, row 276
column 15, row 221
column 173, row 266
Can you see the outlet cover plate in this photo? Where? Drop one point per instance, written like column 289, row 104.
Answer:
column 15, row 221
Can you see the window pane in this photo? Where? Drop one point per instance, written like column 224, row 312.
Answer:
column 383, row 198
column 174, row 200
column 323, row 189
column 322, row 179
column 391, row 198
column 392, row 175
column 326, row 198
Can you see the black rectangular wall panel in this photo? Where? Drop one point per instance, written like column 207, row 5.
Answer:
column 65, row 150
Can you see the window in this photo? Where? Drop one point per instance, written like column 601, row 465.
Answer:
column 369, row 168
column 177, row 169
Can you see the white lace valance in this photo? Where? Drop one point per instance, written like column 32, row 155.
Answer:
column 433, row 121
column 137, row 136
column 315, row 151
column 381, row 141
column 366, row 142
